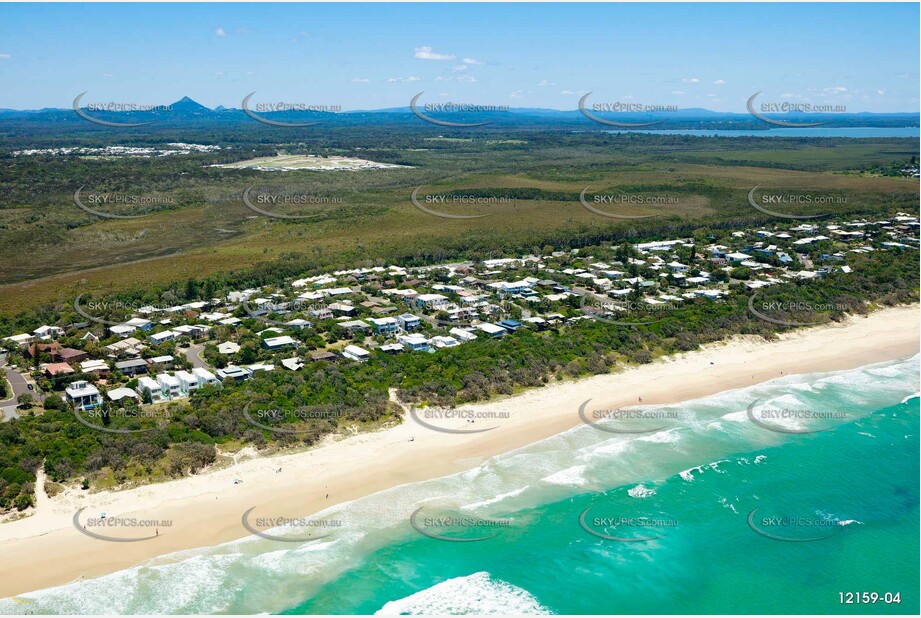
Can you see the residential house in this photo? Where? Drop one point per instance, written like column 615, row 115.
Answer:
column 414, row 342
column 277, row 343
column 57, row 369
column 408, row 321
column 151, row 387
column 98, row 367
column 46, row 333
column 492, row 330
column 131, row 367
column 237, row 373
column 356, row 353
column 82, row 395
column 169, row 386
column 385, row 326
column 205, row 377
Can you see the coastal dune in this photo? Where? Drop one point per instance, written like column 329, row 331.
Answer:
column 45, row 549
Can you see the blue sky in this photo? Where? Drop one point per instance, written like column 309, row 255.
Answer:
column 368, row 56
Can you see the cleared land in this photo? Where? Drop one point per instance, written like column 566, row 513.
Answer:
column 287, row 163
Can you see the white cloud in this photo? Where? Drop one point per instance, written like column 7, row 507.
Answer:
column 426, row 53
column 516, row 94
column 107, row 75
column 5, row 57
column 678, row 92
column 881, row 93
column 835, row 90
column 461, row 67
column 466, row 78
column 411, row 78
column 219, row 31
column 790, row 95
column 360, row 80
column 219, row 74
column 690, row 80
column 720, row 82
column 473, row 61
column 544, row 82
column 573, row 92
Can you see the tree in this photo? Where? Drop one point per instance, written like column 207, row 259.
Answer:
column 24, row 400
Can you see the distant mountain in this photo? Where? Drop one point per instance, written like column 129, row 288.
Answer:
column 189, row 112
column 185, row 105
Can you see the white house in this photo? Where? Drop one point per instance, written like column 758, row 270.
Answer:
column 431, row 301
column 142, row 323
column 122, row 330
column 117, row 394
column 440, row 341
column 462, row 334
column 492, row 330
column 237, row 373
column 385, row 326
column 414, row 342
column 169, row 386
column 277, row 343
column 187, row 381
column 205, row 377
column 150, row 386
column 83, row 395
column 355, row 353
column 228, row 347
column 48, row 332
column 167, row 335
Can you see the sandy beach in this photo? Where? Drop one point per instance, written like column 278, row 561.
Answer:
column 45, row 549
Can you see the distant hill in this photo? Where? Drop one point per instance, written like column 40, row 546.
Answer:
column 188, row 111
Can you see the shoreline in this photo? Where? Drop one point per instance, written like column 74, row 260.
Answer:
column 44, row 550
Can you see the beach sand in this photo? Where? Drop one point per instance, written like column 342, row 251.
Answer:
column 45, row 549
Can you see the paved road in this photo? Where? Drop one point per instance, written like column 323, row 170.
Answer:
column 193, row 355
column 20, row 386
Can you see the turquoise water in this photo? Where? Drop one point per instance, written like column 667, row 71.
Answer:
column 693, row 484
column 859, row 132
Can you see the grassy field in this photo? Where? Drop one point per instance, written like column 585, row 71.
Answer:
column 51, row 250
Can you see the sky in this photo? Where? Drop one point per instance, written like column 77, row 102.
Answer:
column 864, row 57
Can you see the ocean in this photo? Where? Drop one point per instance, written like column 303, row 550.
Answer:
column 710, row 513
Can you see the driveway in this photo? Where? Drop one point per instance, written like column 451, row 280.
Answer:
column 20, row 385
column 193, row 355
